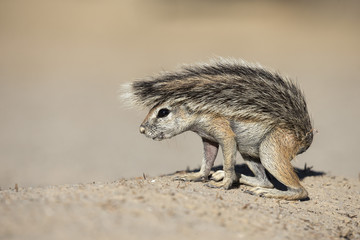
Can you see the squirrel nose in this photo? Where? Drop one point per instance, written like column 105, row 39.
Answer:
column 142, row 129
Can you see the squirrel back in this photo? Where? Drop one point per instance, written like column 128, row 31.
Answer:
column 230, row 88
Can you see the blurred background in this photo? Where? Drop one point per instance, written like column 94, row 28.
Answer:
column 62, row 62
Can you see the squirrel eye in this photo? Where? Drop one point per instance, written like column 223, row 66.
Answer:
column 163, row 112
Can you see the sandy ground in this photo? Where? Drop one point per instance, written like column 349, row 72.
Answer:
column 62, row 62
column 62, row 125
column 160, row 208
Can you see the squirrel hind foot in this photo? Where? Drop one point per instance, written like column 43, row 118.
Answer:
column 290, row 194
column 256, row 181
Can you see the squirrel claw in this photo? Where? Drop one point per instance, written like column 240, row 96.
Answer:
column 212, row 185
column 257, row 191
column 191, row 177
column 249, row 192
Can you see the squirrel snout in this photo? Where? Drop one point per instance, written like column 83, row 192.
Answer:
column 142, row 129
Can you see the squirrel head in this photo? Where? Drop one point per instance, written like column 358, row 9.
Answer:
column 165, row 121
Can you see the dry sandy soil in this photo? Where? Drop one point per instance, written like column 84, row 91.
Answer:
column 61, row 64
column 160, row 208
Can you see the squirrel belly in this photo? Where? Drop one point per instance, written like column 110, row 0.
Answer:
column 236, row 106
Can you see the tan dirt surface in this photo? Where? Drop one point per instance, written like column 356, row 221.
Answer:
column 62, row 64
column 160, row 208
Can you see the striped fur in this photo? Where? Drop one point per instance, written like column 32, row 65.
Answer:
column 230, row 88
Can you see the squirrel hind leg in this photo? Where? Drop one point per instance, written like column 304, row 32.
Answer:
column 276, row 152
column 260, row 179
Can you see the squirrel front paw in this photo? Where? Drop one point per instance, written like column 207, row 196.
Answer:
column 191, row 177
column 225, row 184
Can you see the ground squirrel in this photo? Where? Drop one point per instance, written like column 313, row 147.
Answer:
column 238, row 106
